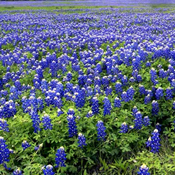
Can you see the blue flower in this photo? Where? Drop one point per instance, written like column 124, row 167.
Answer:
column 155, row 141
column 81, row 140
column 107, row 106
column 117, row 102
column 36, row 121
column 169, row 93
column 155, row 107
column 4, row 125
column 153, row 76
column 159, row 93
column 124, row 128
column 134, row 111
column 4, row 151
column 48, row 170
column 142, row 90
column 130, row 93
column 173, row 104
column 118, row 88
column 124, row 96
column 146, row 121
column 101, row 134
column 148, row 143
column 60, row 157
column 46, row 122
column 143, row 170
column 72, row 125
column 25, row 144
column 95, row 105
column 158, row 127
column 17, row 172
column 89, row 114
column 59, row 112
column 79, row 98
column 138, row 120
column 147, row 99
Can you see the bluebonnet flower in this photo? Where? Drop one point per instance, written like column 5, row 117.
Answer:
column 124, row 80
column 46, row 122
column 71, row 112
column 40, row 104
column 107, row 106
column 69, row 76
column 101, row 134
column 38, row 147
column 155, row 107
column 58, row 102
column 4, row 151
column 25, row 144
column 130, row 93
column 81, row 140
column 36, row 121
column 147, row 99
column 143, row 170
column 173, row 83
column 139, row 78
column 169, row 93
column 81, row 80
column 117, row 102
column 4, row 125
column 105, row 81
column 132, row 79
column 173, row 104
column 148, row 64
column 162, row 73
column 39, row 71
column 153, row 75
column 48, row 170
column 44, row 85
column 60, row 157
column 17, row 172
column 89, row 114
column 124, row 128
column 97, row 81
column 72, row 125
column 148, row 142
column 108, row 91
column 159, row 93
column 79, row 98
column 134, row 111
column 97, row 90
column 154, row 143
column 89, row 91
column 118, row 88
column 124, row 96
column 142, row 90
column 131, row 127
column 59, row 112
column 158, row 127
column 146, row 121
column 95, row 105
column 138, row 120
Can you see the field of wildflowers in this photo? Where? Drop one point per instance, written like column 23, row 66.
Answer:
column 88, row 92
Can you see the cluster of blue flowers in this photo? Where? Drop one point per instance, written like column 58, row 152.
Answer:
column 60, row 157
column 101, row 134
column 154, row 141
column 101, row 65
column 4, row 151
column 48, row 170
column 143, row 170
column 25, row 144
